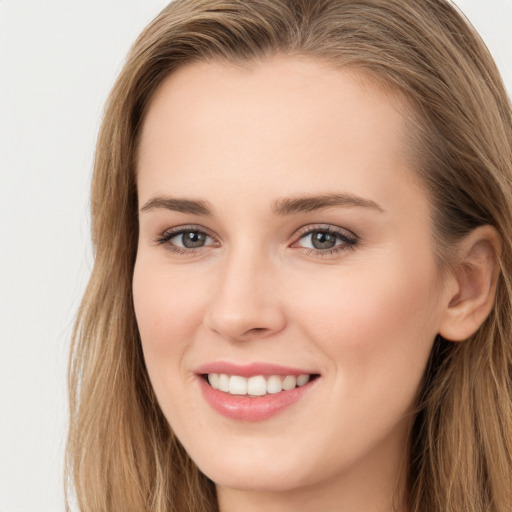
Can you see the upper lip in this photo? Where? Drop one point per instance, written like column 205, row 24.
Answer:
column 251, row 369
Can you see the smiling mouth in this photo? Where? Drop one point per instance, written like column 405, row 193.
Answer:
column 257, row 385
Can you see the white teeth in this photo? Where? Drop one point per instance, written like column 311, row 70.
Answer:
column 224, row 382
column 256, row 386
column 237, row 385
column 213, row 379
column 274, row 384
column 289, row 382
column 302, row 379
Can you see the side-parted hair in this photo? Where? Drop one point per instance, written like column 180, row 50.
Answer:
column 121, row 452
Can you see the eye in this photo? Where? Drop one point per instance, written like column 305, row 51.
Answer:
column 190, row 239
column 325, row 239
column 186, row 239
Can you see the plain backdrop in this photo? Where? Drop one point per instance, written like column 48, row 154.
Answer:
column 58, row 60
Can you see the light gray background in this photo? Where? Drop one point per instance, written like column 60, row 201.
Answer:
column 58, row 60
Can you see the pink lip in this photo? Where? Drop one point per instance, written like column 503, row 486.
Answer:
column 245, row 408
column 250, row 370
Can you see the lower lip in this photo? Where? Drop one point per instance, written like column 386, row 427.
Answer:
column 245, row 408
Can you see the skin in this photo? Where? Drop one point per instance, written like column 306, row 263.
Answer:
column 364, row 316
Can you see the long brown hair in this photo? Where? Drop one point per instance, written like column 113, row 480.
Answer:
column 121, row 452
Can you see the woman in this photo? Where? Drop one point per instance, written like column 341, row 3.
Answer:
column 301, row 290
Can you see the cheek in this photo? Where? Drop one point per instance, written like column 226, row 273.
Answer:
column 376, row 327
column 168, row 310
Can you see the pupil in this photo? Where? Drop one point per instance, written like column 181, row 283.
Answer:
column 193, row 239
column 323, row 240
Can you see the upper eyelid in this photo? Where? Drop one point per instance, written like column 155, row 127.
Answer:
column 309, row 228
column 187, row 227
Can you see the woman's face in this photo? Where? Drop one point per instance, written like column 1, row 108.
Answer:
column 283, row 233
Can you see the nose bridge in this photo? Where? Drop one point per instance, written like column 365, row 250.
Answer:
column 244, row 302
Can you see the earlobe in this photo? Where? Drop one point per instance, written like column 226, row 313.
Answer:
column 475, row 274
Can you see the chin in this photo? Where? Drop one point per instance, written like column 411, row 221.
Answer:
column 256, row 480
column 255, row 474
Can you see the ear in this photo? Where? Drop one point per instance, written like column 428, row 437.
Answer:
column 475, row 275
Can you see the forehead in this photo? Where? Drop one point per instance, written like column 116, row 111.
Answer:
column 281, row 123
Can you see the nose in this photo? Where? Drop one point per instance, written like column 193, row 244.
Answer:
column 245, row 302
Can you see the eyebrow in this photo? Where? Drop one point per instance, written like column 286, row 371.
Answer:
column 281, row 207
column 289, row 206
column 178, row 205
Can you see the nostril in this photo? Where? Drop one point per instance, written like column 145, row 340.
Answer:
column 237, row 318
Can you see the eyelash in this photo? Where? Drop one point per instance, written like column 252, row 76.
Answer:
column 166, row 237
column 345, row 239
